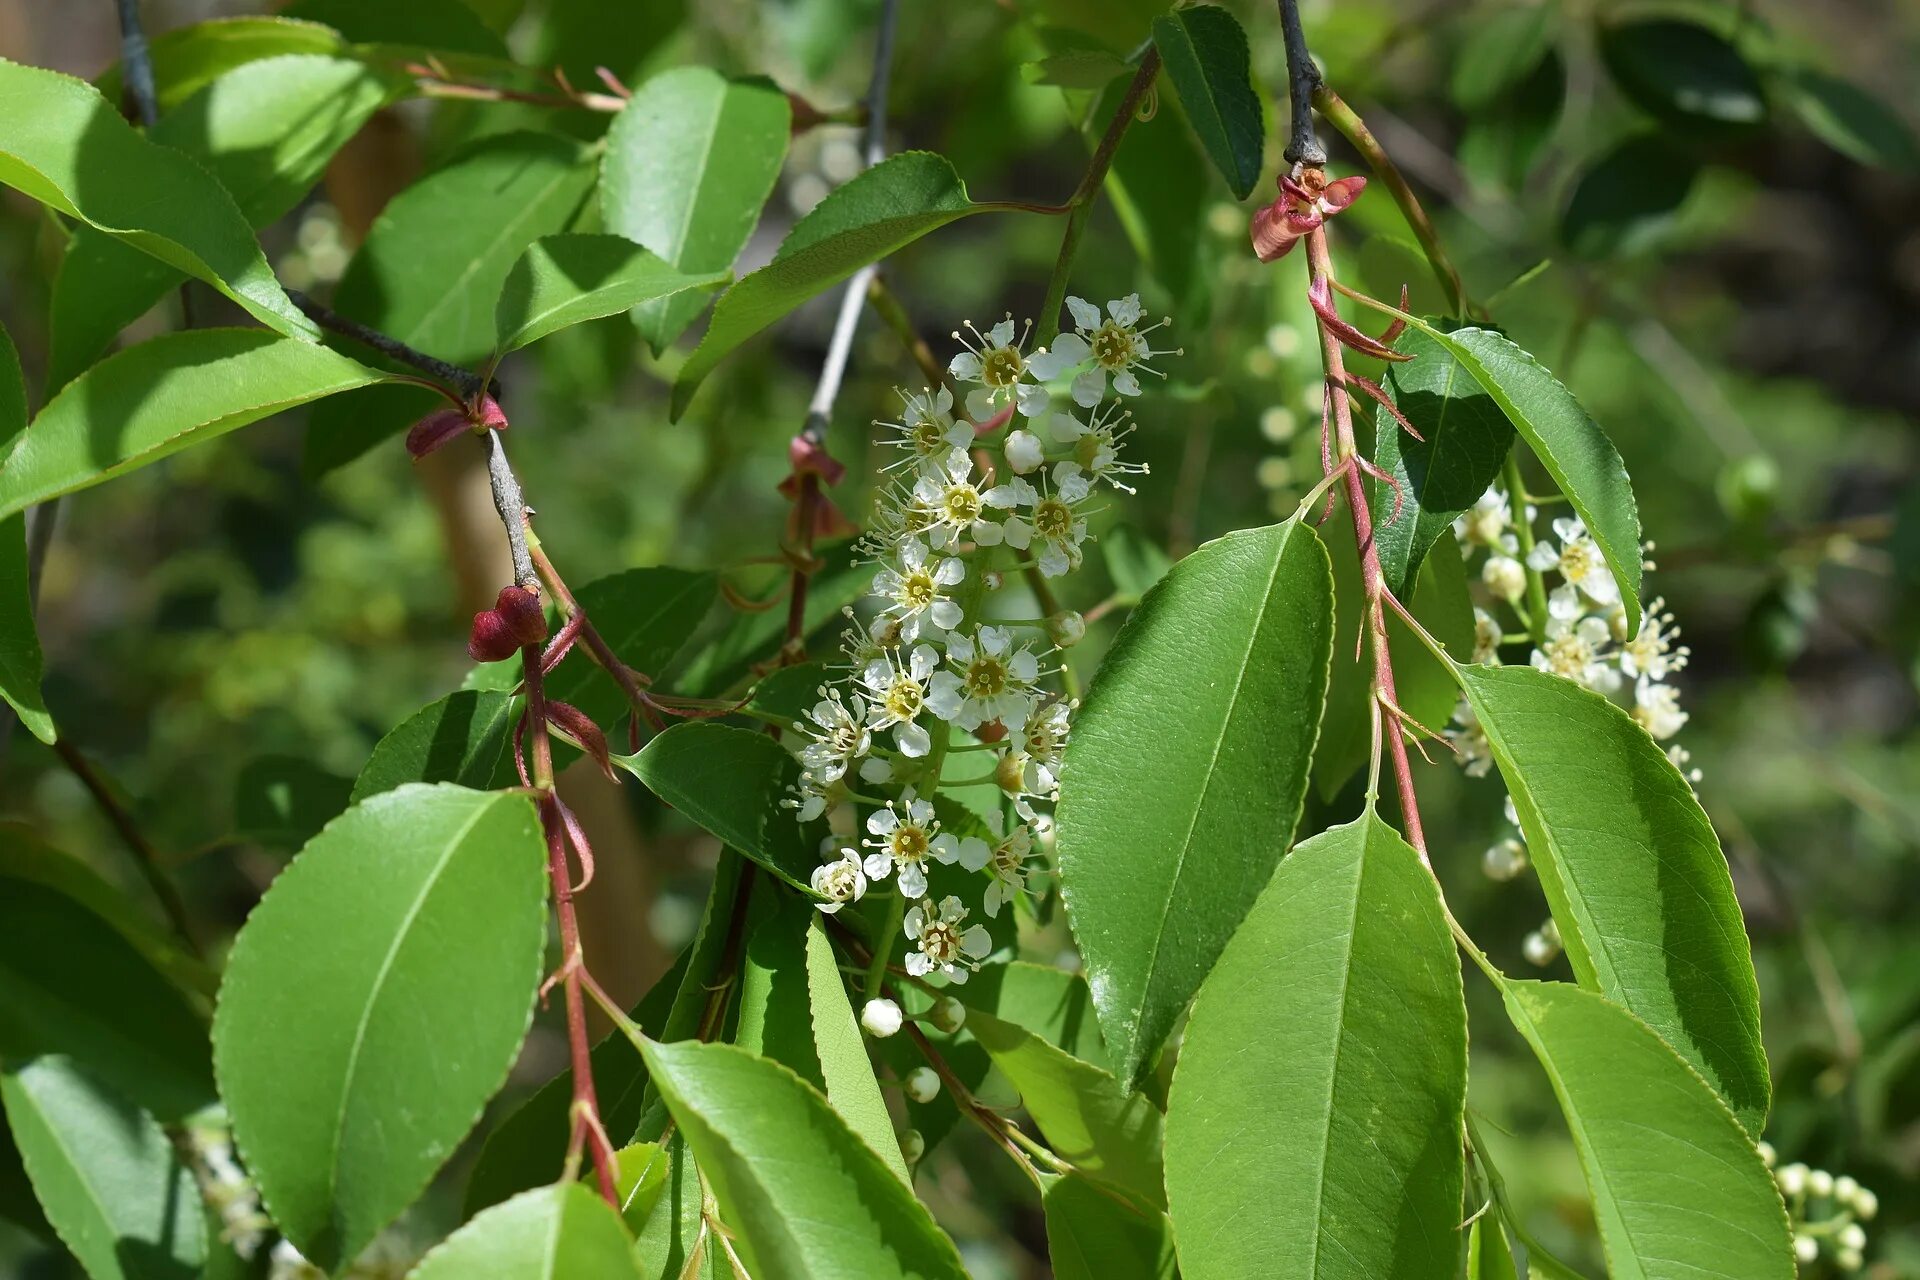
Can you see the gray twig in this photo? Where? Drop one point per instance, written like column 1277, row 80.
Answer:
column 464, row 380
column 512, row 506
column 136, row 64
column 1303, row 143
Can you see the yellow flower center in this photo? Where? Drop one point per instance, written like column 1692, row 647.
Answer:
column 1001, row 367
column 1113, row 346
column 940, row 941
column 926, row 438
column 1576, row 562
column 1053, row 520
column 903, row 698
column 908, row 843
column 986, row 676
column 1006, row 859
column 1569, row 656
column 962, row 504
column 918, row 589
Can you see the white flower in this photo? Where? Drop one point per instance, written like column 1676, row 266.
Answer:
column 1007, row 865
column 955, row 506
column 1580, row 563
column 927, row 429
column 905, row 831
column 1652, row 653
column 1575, row 651
column 1486, row 635
column 1542, row 946
column 990, row 680
column 1096, row 452
column 840, row 881
column 1469, row 741
column 899, row 693
column 1025, row 453
column 1657, row 708
column 912, row 587
column 814, row 796
column 993, row 359
column 1042, row 744
column 944, row 945
column 1485, row 521
column 836, row 738
column 881, row 1018
column 1117, row 344
column 1504, row 576
column 1504, row 859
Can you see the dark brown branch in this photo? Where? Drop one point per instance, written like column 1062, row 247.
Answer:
column 145, row 856
column 465, row 381
column 1303, row 143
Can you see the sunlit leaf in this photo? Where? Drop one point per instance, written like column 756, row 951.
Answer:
column 559, row 1232
column 1206, row 57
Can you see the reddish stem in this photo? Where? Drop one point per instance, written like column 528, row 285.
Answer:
column 1320, row 268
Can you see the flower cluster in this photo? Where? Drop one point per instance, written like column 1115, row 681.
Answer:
column 1826, row 1213
column 943, row 691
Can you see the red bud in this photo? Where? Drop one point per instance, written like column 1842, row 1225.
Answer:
column 520, row 609
column 435, row 430
column 491, row 417
column 807, row 456
column 491, row 639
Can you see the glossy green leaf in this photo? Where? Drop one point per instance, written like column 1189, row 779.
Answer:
column 13, row 392
column 106, row 1174
column 646, row 616
column 21, row 663
column 147, row 402
column 1632, row 871
column 1466, row 439
column 560, row 1232
column 64, row 145
column 1341, row 1156
column 1155, row 890
column 640, row 1172
column 1094, row 1121
column 432, row 268
column 1571, row 445
column 566, row 280
column 374, row 1001
column 1679, row 1192
column 1205, row 54
column 283, row 801
column 1094, row 1233
column 75, row 981
column 883, row 210
column 1628, row 199
column 808, row 1197
column 690, row 160
column 187, row 59
column 462, row 738
column 1852, row 121
column 785, row 695
column 730, row 782
column 670, row 1243
column 1051, row 1003
column 1682, row 72
column 1488, row 1257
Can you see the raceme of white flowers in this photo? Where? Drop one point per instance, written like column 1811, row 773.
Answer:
column 1583, row 640
column 1826, row 1213
column 942, row 690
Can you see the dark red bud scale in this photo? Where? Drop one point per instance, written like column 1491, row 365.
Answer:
column 515, row 621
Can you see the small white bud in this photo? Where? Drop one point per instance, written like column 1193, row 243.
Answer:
column 912, row 1145
column 1820, row 1183
column 948, row 1014
column 1505, row 577
column 1505, row 860
column 1845, row 1189
column 1025, row 453
column 1806, row 1250
column 922, row 1084
column 1066, row 628
column 1849, row 1260
column 1852, row 1236
column 881, row 1018
column 1767, row 1154
column 992, row 580
column 1865, row 1204
column 1539, row 949
column 1792, row 1179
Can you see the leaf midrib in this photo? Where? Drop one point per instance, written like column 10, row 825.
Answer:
column 1339, row 1047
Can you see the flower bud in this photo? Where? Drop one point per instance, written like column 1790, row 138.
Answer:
column 1806, row 1250
column 1849, row 1260
column 912, row 1146
column 1852, row 1236
column 1792, row 1179
column 491, row 639
column 1505, row 577
column 1865, row 1204
column 1539, row 949
column 1010, row 772
column 520, row 609
column 1767, row 1154
column 1025, row 453
column 881, row 1018
column 922, row 1084
column 948, row 1014
column 1820, row 1183
column 1066, row 628
column 1845, row 1189
column 1505, row 860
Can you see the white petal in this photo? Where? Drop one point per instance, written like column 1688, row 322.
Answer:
column 986, row 533
column 913, row 880
column 1600, row 585
column 979, row 404
column 1564, row 602
column 951, row 570
column 973, row 853
column 1543, row 557
column 960, row 649
column 956, row 975
column 1089, row 387
column 1070, row 347
column 874, row 769
column 1066, row 428
column 946, row 614
column 1085, row 314
column 1024, row 667
column 918, row 965
column 878, row 866
column 1017, row 532
column 990, row 900
column 1570, row 528
column 1126, row 310
column 881, row 821
column 945, row 703
column 995, row 639
column 1033, row 400
column 976, row 942
column 1125, row 383
column 965, row 367
column 1053, row 561
column 1072, row 484
column 911, row 739
column 945, row 848
column 1002, row 496
column 1001, row 334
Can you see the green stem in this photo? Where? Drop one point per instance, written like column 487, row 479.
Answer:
column 883, row 951
column 1523, row 530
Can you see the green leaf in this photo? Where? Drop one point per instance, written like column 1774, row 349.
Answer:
column 728, row 653
column 646, row 616
column 1626, row 201
column 1851, row 120
column 670, row 1239
column 462, row 738
column 1076, row 69
column 445, row 25
column 1632, row 871
column 1093, row 1233
column 876, row 214
column 690, row 160
column 374, row 1001
column 640, row 1177
column 569, row 279
column 1488, row 1257
column 1345, row 1160
column 187, row 59
column 1051, row 1003
column 1682, row 73
column 1678, row 1189
column 1498, row 52
column 559, row 1232
column 1571, row 445
column 785, row 695
column 730, row 782
column 1154, row 891
column 1467, row 437
column 1206, row 56
column 432, row 268
column 283, row 801
column 1161, row 194
column 1106, row 1130
column 75, row 981
column 64, row 145
column 141, row 405
column 1502, row 142
column 13, row 392
column 808, row 1197
column 110, row 1181
column 21, row 664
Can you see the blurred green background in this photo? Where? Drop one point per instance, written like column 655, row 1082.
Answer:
column 1738, row 304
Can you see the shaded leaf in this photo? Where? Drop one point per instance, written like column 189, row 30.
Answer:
column 1051, row 1003
column 108, row 1178
column 1632, row 871
column 669, row 1239
column 559, row 1232
column 187, row 59
column 1344, row 1157
column 1154, row 892
column 21, row 663
column 1498, row 52
column 807, row 1196
column 1161, row 194
column 1094, row 1233
column 1076, row 69
column 374, row 1001
column 1488, row 1257
column 283, row 801
column 1628, row 198
column 646, row 616
column 447, row 25
column 730, row 782
column 1502, row 142
column 1682, row 72
column 1205, row 54
column 462, row 738
column 140, row 405
column 569, row 279
column 1851, row 120
column 1678, row 1188
column 690, row 160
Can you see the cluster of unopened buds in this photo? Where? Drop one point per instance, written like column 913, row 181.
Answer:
column 1826, row 1213
column 937, row 675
